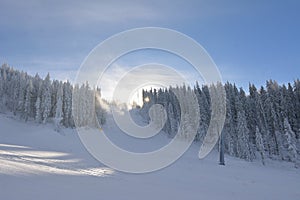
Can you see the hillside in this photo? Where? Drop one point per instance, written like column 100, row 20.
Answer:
column 38, row 162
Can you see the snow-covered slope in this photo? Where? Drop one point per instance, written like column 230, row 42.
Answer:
column 39, row 163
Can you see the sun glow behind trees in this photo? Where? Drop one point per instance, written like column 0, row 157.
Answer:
column 136, row 97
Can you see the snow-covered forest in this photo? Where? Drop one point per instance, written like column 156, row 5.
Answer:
column 262, row 124
column 43, row 100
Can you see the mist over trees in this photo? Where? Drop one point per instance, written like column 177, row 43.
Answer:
column 46, row 100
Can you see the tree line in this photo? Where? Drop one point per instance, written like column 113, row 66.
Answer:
column 265, row 123
column 43, row 100
column 262, row 124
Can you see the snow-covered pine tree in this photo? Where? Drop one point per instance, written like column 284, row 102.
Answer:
column 292, row 108
column 38, row 112
column 259, row 145
column 22, row 93
column 229, row 129
column 243, row 146
column 46, row 98
column 297, row 106
column 1, row 93
column 253, row 117
column 67, row 105
column 14, row 88
column 290, row 142
column 99, row 106
column 75, row 104
column 54, row 90
column 204, row 113
column 172, row 120
column 59, row 111
column 28, row 112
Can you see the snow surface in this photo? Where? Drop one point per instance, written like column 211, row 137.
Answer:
column 38, row 163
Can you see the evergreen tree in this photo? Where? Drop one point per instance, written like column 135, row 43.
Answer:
column 290, row 142
column 46, row 98
column 67, row 105
column 59, row 111
column 22, row 93
column 259, row 145
column 243, row 144
column 172, row 120
column 28, row 107
column 229, row 129
column 38, row 113
column 1, row 92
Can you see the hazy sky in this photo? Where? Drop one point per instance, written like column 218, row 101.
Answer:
column 250, row 41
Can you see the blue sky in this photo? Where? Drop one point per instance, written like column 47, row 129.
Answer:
column 250, row 41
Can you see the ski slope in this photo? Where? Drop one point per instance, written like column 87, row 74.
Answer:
column 38, row 163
